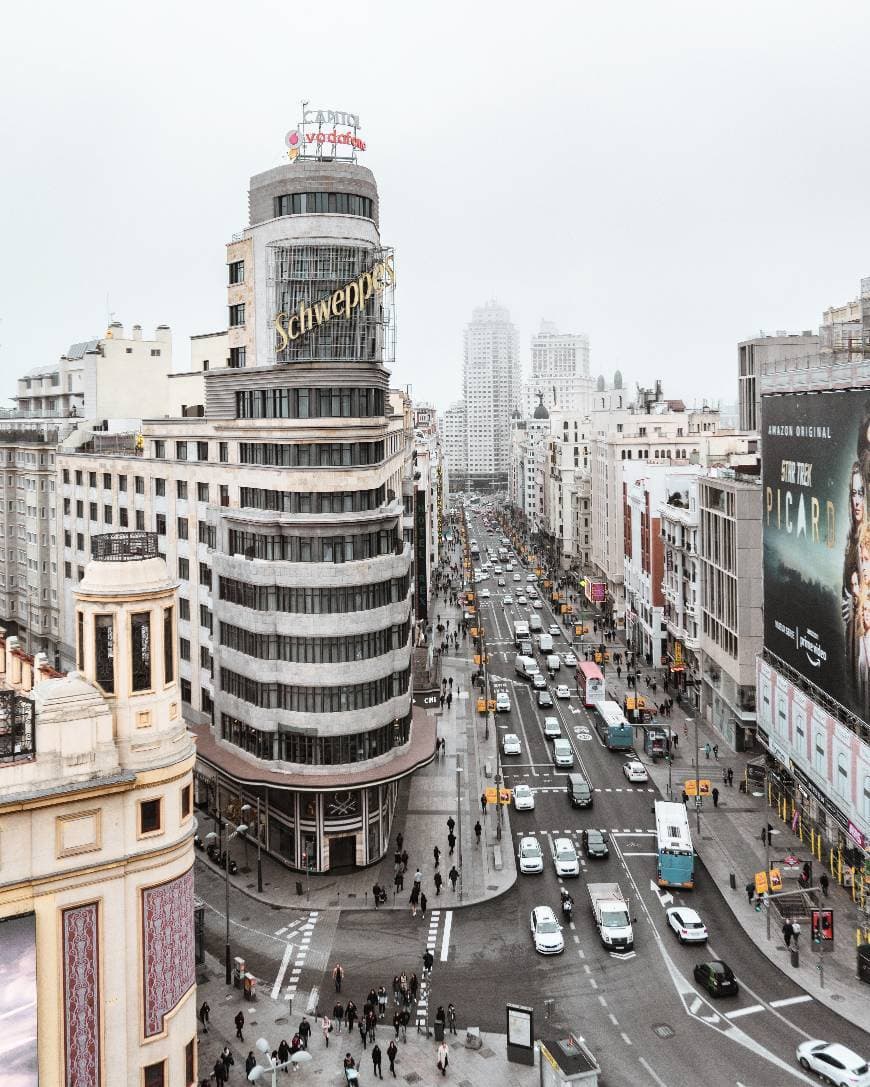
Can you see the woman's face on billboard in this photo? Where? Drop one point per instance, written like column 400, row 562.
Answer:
column 856, row 497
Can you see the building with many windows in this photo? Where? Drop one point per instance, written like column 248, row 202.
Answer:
column 559, row 371
column 281, row 512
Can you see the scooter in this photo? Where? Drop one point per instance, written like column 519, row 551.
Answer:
column 567, row 905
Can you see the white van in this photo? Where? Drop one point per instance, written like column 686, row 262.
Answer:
column 535, row 624
column 553, row 662
column 525, row 666
column 545, row 643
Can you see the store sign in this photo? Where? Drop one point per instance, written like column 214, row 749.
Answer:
column 856, row 836
column 341, row 303
column 678, row 656
column 303, row 141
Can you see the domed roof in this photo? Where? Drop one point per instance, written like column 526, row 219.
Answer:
column 599, row 385
column 540, row 411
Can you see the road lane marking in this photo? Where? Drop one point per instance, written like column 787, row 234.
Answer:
column 790, row 1000
column 593, row 983
column 659, row 1081
column 282, row 970
column 626, row 1038
column 751, row 1010
column 445, row 939
column 613, row 1019
column 695, row 1005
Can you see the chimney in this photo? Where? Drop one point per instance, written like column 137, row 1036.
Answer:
column 163, row 334
column 137, row 332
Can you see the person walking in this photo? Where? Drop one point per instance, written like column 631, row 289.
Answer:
column 428, row 961
column 707, row 749
column 787, row 934
column 442, row 1058
column 764, row 835
column 414, row 900
column 418, row 879
column 392, row 1050
column 436, row 853
column 204, row 1013
column 250, row 1062
column 423, row 901
column 449, row 693
column 337, row 976
column 240, row 1022
column 284, row 1052
column 451, row 823
column 400, row 841
column 483, row 803
column 715, row 795
column 399, row 881
column 438, row 879
column 451, row 1017
column 477, row 831
column 405, row 860
column 350, row 1014
column 338, row 1015
column 376, row 1060
column 823, row 883
column 716, row 752
column 304, row 1032
column 219, row 1072
column 731, row 777
column 326, row 1029
column 397, row 1021
column 363, row 1032
column 453, row 875
column 451, row 842
column 382, row 1002
column 413, row 986
column 227, row 1060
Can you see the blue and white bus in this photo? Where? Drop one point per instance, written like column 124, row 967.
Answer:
column 675, row 856
column 612, row 726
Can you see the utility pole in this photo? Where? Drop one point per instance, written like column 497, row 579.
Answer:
column 767, row 843
column 697, row 781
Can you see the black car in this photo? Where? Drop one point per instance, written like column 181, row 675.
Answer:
column 595, row 843
column 716, row 977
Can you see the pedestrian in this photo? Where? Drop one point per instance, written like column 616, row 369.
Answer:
column 438, row 880
column 423, row 901
column 787, row 934
column 441, row 1017
column 363, row 1032
column 483, row 803
column 449, row 696
column 397, row 1021
column 350, row 1014
column 399, row 841
column 382, row 1002
column 392, row 1050
column 219, row 1072
column 326, row 1028
column 204, row 1013
column 338, row 1015
column 413, row 986
column 477, row 831
column 442, row 1059
column 436, row 853
column 676, row 740
column 304, row 1032
column 428, row 960
column 414, row 899
column 685, row 797
column 451, row 823
column 715, row 797
column 453, row 875
column 418, row 878
column 442, row 699
column 337, row 976
column 730, row 776
column 371, row 1023
column 376, row 1060
column 707, row 750
column 716, row 752
column 404, row 860
column 250, row 1062
column 823, row 883
column 451, row 1017
column 399, row 881
column 406, row 1019
column 240, row 1022
column 283, row 1052
column 227, row 1059
column 764, row 835
column 451, row 842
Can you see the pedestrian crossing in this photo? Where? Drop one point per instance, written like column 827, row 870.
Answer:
column 298, row 936
column 425, row 979
column 616, row 832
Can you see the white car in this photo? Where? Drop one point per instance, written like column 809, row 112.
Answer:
column 538, row 603
column 502, row 702
column 530, row 578
column 485, row 594
column 496, row 569
column 510, row 745
column 521, row 599
column 834, row 1063
column 531, row 857
column 570, row 659
column 538, row 681
column 562, row 691
column 635, row 771
column 524, row 798
column 502, row 582
column 554, row 629
column 546, row 931
column 688, row 926
column 508, row 600
column 517, row 577
column 565, row 858
column 552, row 728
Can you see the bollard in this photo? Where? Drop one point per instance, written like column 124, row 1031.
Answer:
column 732, row 879
column 795, row 957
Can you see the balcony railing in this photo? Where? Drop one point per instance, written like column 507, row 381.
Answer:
column 124, row 546
column 17, row 727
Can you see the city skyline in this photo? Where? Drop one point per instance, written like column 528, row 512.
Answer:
column 654, row 240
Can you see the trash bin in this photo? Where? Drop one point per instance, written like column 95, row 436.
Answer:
column 239, row 967
column 439, row 1031
column 250, row 987
column 795, row 956
column 864, row 963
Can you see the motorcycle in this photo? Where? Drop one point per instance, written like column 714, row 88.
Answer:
column 198, row 843
column 567, row 906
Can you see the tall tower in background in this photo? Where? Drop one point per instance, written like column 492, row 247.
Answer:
column 491, row 387
column 560, row 370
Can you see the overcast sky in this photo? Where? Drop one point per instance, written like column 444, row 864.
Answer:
column 667, row 179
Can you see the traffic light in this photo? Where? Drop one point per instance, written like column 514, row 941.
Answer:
column 758, row 903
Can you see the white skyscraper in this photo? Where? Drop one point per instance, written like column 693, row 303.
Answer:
column 560, row 370
column 492, row 388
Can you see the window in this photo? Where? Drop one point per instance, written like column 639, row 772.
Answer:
column 181, row 488
column 237, row 315
column 80, row 508
column 237, row 357
column 78, row 479
column 819, row 761
column 67, row 572
column 122, row 517
column 104, row 646
column 139, row 484
column 184, row 608
column 80, row 627
column 122, row 483
column 154, row 1075
column 140, row 520
column 184, row 569
column 202, row 492
column 182, row 528
column 160, row 449
column 224, row 452
column 184, row 648
column 92, row 479
column 168, row 647
column 236, row 272
column 202, row 450
column 160, row 524
column 205, row 618
column 160, row 488
column 107, row 514
column 150, row 816
column 842, row 775
column 185, row 801
column 204, row 575
column 224, row 494
column 140, row 650
column 181, row 450
column 66, row 475
column 67, row 538
column 80, row 541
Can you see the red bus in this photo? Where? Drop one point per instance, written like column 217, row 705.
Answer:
column 590, row 683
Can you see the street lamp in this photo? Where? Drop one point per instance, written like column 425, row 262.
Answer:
column 246, row 808
column 210, row 837
column 259, row 1070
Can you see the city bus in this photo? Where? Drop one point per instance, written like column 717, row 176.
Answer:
column 612, row 727
column 675, row 857
column 590, row 683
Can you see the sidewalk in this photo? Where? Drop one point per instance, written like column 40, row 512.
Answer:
column 426, row 800
column 415, row 1063
column 730, row 843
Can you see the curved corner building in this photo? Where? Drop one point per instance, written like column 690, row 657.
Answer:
column 311, row 585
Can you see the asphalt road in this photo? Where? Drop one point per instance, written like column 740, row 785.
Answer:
column 643, row 1015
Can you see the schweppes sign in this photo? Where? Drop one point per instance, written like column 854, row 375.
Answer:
column 341, row 303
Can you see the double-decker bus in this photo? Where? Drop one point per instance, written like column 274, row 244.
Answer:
column 612, row 727
column 675, row 857
column 590, row 683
